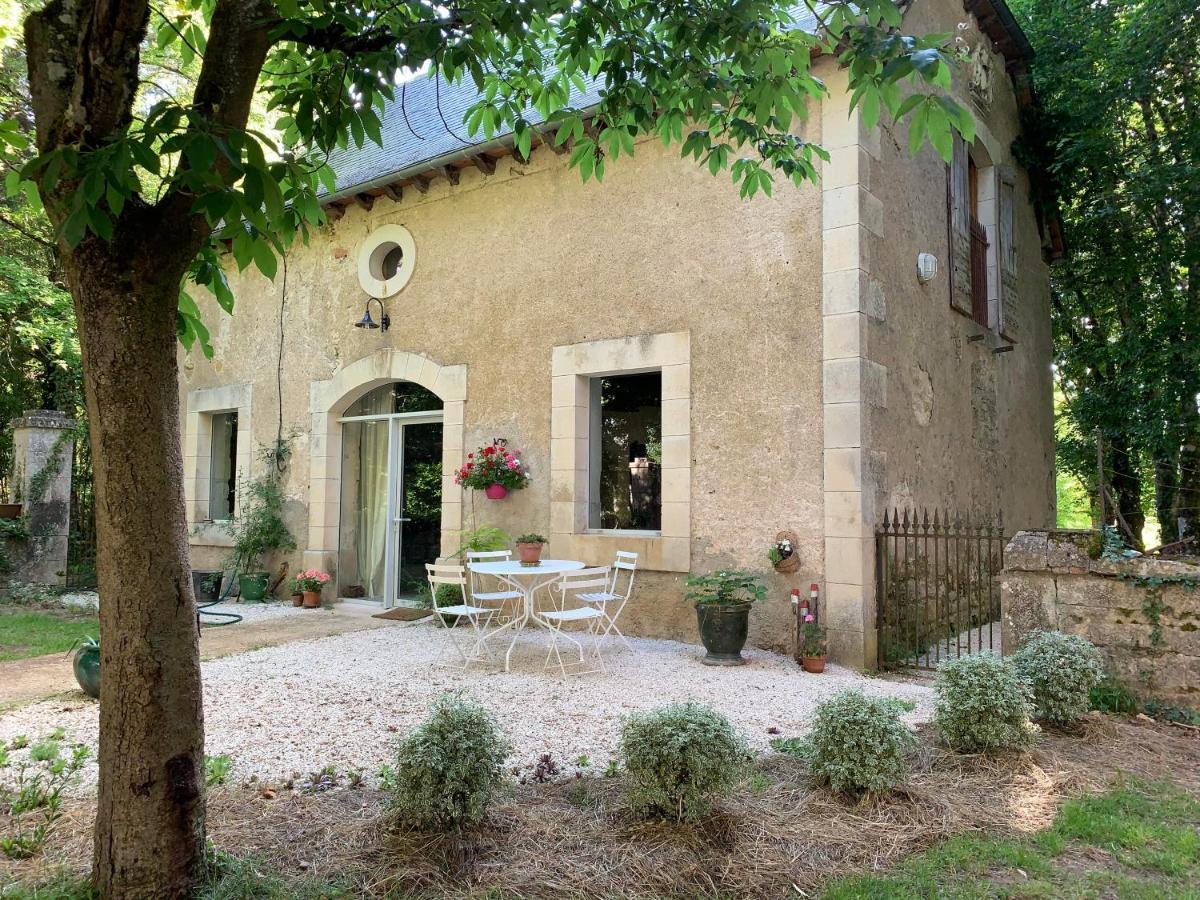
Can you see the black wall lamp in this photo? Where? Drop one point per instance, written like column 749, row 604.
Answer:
column 366, row 321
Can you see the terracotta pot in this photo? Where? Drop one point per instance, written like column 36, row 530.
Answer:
column 814, row 664
column 10, row 510
column 312, row 599
column 723, row 631
column 495, row 491
column 297, row 599
column 530, row 553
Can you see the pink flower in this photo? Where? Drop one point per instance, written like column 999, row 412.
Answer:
column 810, row 618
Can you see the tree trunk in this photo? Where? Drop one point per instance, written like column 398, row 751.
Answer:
column 1187, row 498
column 1126, row 484
column 1166, row 485
column 149, row 837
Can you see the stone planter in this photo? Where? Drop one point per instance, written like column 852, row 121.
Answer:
column 87, row 669
column 253, row 586
column 723, row 632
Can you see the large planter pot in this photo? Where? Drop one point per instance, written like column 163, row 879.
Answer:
column 723, row 632
column 495, row 492
column 206, row 584
column 10, row 510
column 531, row 554
column 253, row 586
column 87, row 669
column 814, row 664
column 312, row 599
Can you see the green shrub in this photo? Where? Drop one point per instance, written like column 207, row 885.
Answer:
column 1061, row 670
column 982, row 704
column 858, row 743
column 679, row 759
column 450, row 769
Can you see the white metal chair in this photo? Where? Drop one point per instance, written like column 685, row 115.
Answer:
column 503, row 597
column 613, row 596
column 478, row 616
column 593, row 616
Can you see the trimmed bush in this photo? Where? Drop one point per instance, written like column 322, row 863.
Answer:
column 1061, row 669
column 858, row 743
column 679, row 759
column 451, row 768
column 982, row 704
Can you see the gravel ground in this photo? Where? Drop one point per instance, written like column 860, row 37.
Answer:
column 345, row 700
column 257, row 612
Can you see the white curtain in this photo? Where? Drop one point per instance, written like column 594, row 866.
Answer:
column 372, row 494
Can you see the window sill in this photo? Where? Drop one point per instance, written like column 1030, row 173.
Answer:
column 624, row 532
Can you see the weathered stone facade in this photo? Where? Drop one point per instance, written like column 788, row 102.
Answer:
column 807, row 377
column 1143, row 614
column 43, row 448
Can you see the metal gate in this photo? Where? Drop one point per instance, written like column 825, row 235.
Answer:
column 937, row 590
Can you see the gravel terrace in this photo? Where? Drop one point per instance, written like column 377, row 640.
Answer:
column 345, row 700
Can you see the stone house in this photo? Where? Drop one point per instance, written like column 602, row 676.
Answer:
column 686, row 373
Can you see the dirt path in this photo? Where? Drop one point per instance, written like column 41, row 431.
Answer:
column 24, row 680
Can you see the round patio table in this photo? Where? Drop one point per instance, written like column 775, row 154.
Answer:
column 528, row 580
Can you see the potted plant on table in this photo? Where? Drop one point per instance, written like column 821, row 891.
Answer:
column 493, row 469
column 814, row 645
column 257, row 529
column 529, row 547
column 723, row 600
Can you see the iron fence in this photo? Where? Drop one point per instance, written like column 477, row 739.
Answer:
column 936, row 587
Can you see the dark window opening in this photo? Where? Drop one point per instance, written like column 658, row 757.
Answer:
column 625, row 450
column 392, row 261
column 222, row 472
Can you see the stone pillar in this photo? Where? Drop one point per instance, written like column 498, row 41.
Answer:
column 852, row 383
column 43, row 453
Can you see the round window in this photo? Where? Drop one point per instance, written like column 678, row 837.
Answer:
column 386, row 260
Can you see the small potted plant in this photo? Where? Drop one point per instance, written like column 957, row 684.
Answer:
column 529, row 547
column 783, row 553
column 86, row 666
column 814, row 644
column 309, row 584
column 493, row 469
column 723, row 600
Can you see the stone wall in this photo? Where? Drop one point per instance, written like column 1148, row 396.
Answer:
column 1143, row 614
column 43, row 448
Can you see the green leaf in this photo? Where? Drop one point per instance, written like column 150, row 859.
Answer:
column 264, row 258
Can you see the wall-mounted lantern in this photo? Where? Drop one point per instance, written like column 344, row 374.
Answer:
column 385, row 321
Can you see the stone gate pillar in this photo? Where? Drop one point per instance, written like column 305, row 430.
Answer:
column 43, row 452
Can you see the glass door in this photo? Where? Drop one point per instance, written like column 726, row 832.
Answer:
column 417, row 523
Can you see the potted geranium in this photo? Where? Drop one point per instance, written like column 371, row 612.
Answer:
column 723, row 601
column 814, row 645
column 309, row 584
column 493, row 469
column 529, row 547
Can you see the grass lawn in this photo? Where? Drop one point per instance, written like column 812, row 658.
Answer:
column 35, row 632
column 1137, row 841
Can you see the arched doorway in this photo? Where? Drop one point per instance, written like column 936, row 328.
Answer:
column 390, row 510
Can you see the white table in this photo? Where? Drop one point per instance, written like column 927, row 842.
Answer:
column 528, row 580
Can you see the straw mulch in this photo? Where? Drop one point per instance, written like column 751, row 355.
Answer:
column 779, row 836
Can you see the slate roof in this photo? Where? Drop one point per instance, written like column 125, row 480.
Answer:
column 423, row 128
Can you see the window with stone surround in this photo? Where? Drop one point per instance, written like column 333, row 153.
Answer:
column 643, row 383
column 625, row 452
column 222, row 467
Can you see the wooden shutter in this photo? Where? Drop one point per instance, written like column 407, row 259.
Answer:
column 1006, row 235
column 959, row 215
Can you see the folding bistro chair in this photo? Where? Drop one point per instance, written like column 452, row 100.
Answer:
column 478, row 616
column 614, row 595
column 500, row 598
column 555, row 619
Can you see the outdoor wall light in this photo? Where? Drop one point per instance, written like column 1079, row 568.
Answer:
column 366, row 321
column 927, row 267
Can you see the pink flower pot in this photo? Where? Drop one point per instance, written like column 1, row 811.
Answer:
column 495, row 491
